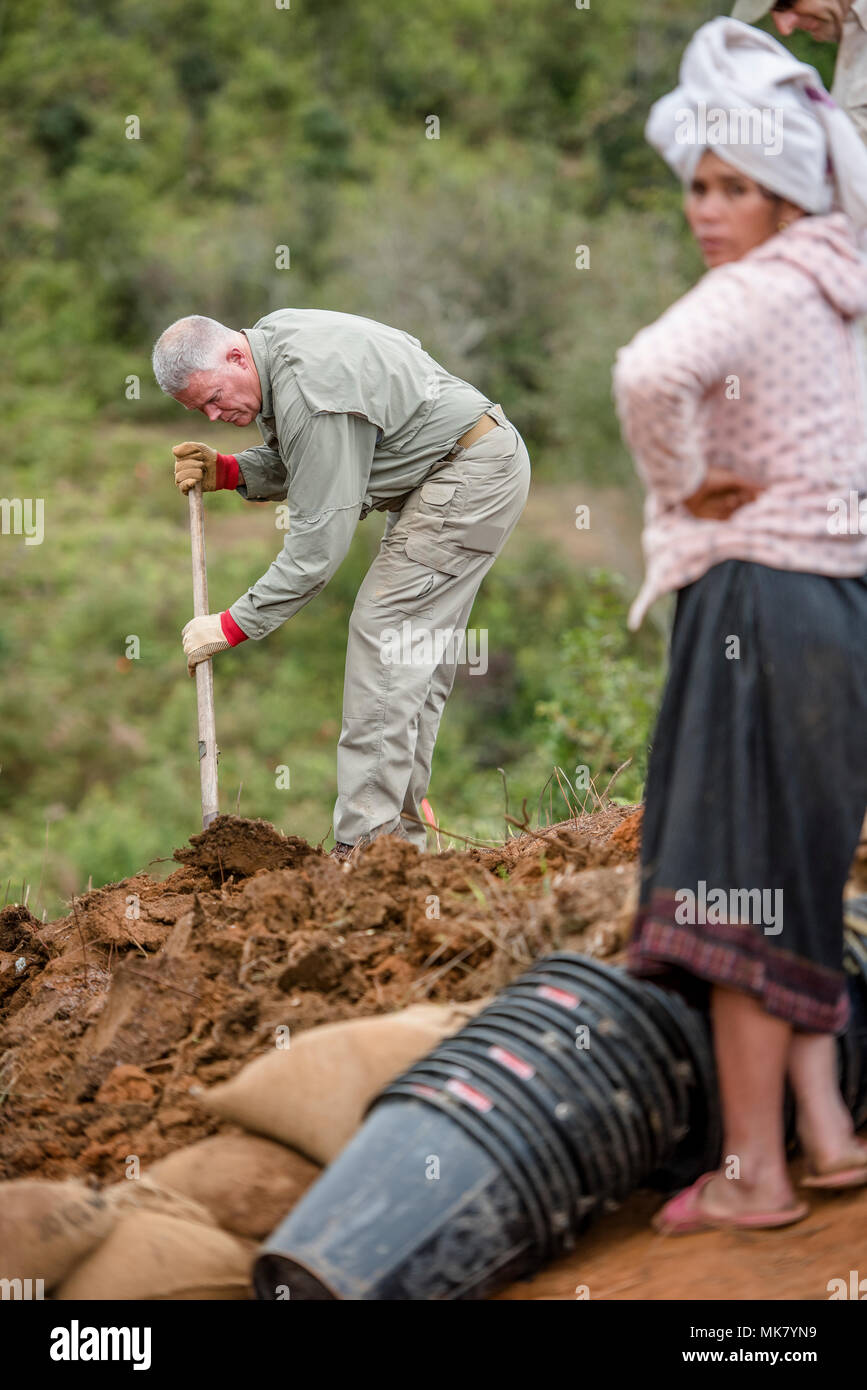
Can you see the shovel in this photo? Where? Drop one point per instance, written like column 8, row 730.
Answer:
column 208, row 750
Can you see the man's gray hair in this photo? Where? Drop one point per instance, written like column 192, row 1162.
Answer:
column 193, row 344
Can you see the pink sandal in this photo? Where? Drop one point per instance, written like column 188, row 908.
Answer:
column 683, row 1216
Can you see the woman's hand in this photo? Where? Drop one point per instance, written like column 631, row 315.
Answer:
column 721, row 493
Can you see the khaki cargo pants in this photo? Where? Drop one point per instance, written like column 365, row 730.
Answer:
column 406, row 625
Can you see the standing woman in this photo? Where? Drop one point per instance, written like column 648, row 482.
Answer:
column 745, row 408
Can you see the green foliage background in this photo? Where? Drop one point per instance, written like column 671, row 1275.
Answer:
column 305, row 126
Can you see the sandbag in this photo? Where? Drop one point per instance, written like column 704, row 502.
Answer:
column 151, row 1256
column 248, row 1184
column 312, row 1095
column 47, row 1227
column 144, row 1194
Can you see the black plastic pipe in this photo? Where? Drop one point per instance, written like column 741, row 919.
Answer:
column 489, row 1157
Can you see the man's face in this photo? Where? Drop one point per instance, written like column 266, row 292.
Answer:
column 821, row 19
column 229, row 393
column 727, row 212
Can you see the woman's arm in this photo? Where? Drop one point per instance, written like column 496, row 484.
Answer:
column 708, row 338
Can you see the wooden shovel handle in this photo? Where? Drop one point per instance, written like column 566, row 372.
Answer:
column 204, row 669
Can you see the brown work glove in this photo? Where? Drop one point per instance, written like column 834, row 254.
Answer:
column 195, row 463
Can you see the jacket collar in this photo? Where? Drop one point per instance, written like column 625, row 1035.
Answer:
column 259, row 348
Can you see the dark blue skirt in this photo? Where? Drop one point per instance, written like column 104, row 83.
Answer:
column 756, row 792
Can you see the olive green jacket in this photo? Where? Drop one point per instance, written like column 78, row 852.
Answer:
column 354, row 416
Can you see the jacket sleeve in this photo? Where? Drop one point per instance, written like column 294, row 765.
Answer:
column 263, row 474
column 661, row 377
column 331, row 462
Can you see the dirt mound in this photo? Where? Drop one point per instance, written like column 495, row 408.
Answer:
column 611, row 836
column 109, row 1017
column 235, row 848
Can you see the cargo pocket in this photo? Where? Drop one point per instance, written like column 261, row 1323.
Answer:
column 416, row 572
column 483, row 537
column 438, row 494
column 436, row 556
column 439, row 499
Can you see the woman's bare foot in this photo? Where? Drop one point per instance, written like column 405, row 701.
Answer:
column 724, row 1197
column 824, row 1125
column 830, row 1154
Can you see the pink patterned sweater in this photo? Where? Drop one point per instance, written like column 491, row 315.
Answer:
column 759, row 368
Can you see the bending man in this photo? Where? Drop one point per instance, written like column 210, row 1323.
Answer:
column 356, row 416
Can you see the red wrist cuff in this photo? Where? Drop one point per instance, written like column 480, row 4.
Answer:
column 232, row 633
column 228, row 473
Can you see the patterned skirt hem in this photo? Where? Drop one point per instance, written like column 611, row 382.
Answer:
column 788, row 988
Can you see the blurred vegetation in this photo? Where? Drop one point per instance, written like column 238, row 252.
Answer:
column 305, row 127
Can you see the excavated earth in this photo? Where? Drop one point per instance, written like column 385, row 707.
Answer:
column 112, row 1017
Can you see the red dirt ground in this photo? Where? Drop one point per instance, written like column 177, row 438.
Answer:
column 149, row 989
column 623, row 1257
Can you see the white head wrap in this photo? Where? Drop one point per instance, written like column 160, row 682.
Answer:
column 745, row 97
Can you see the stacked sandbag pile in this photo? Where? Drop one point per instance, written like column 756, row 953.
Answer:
column 189, row 1228
column 313, row 1095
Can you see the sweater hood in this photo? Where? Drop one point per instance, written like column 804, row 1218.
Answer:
column 825, row 249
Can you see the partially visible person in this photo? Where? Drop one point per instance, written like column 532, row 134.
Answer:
column 746, row 413
column 843, row 22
